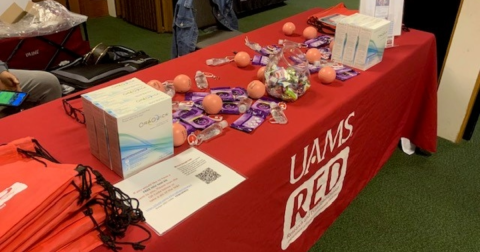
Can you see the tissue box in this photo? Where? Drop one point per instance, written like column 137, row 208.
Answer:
column 360, row 41
column 129, row 126
column 372, row 39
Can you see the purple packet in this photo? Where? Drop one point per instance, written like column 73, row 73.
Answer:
column 248, row 122
column 174, row 120
column 270, row 50
column 193, row 96
column 298, row 59
column 181, row 114
column 313, row 68
column 198, row 104
column 190, row 129
column 260, row 60
column 230, row 108
column 262, row 106
column 345, row 73
column 325, row 52
column 318, row 41
column 239, row 93
column 198, row 121
column 224, row 92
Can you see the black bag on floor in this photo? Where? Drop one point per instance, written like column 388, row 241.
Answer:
column 101, row 64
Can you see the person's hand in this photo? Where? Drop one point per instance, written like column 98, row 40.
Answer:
column 8, row 81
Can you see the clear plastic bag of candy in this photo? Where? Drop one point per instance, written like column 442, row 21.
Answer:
column 287, row 79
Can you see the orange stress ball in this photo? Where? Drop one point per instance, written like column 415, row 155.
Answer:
column 256, row 89
column 310, row 32
column 182, row 83
column 288, row 28
column 179, row 134
column 157, row 85
column 212, row 104
column 313, row 54
column 261, row 73
column 242, row 59
column 327, row 75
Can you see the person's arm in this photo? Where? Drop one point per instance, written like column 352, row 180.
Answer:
column 3, row 66
column 8, row 81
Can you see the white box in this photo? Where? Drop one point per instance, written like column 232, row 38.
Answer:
column 353, row 28
column 372, row 39
column 129, row 130
column 341, row 37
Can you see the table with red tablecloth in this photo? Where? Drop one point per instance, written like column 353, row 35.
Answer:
column 299, row 176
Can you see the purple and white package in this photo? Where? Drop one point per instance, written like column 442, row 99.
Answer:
column 314, row 68
column 260, row 60
column 198, row 121
column 318, row 41
column 190, row 129
column 193, row 96
column 299, row 58
column 249, row 121
column 224, row 92
column 270, row 50
column 230, row 108
column 262, row 106
column 181, row 114
column 239, row 93
column 345, row 73
column 325, row 52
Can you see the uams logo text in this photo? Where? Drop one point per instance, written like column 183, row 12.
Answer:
column 9, row 192
column 319, row 191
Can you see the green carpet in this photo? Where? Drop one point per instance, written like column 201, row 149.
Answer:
column 415, row 203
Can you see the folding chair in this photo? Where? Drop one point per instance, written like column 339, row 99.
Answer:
column 45, row 52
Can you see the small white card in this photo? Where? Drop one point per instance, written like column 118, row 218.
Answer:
column 173, row 189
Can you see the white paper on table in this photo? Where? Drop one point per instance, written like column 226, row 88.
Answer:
column 173, row 189
column 388, row 9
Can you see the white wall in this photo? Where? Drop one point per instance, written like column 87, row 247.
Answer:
column 460, row 72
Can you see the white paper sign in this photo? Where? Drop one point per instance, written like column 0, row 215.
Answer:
column 172, row 190
column 388, row 9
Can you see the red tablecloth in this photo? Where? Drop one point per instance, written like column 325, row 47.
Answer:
column 300, row 176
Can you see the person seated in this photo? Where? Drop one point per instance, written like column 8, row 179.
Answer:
column 41, row 86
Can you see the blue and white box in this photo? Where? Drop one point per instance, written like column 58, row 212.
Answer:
column 372, row 39
column 129, row 126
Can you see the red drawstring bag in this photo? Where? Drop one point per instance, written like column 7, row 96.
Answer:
column 49, row 194
column 27, row 190
column 58, row 213
column 87, row 242
column 78, row 225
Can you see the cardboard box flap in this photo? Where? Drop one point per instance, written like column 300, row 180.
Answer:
column 15, row 12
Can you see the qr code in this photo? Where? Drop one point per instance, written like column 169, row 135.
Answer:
column 208, row 175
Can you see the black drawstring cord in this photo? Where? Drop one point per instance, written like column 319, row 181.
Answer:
column 43, row 152
column 32, row 155
column 121, row 211
column 86, row 183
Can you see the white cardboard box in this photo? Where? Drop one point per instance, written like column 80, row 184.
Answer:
column 129, row 126
column 353, row 28
column 372, row 39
